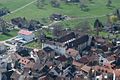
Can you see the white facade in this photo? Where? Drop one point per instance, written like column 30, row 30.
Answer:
column 27, row 38
column 59, row 49
column 84, row 45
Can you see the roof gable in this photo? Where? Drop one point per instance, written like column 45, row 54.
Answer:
column 25, row 32
column 79, row 41
column 67, row 37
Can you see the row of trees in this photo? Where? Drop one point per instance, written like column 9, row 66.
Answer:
column 26, row 24
column 56, row 3
column 4, row 26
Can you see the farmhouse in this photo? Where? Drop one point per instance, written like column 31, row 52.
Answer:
column 57, row 17
column 26, row 35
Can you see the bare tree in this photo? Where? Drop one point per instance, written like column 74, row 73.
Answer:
column 83, row 26
column 55, row 3
column 57, row 29
column 40, row 3
column 83, row 5
column 3, row 26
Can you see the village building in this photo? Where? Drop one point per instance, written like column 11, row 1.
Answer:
column 74, row 53
column 68, row 41
column 57, row 17
column 26, row 35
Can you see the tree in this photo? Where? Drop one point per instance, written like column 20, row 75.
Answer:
column 3, row 26
column 55, row 3
column 109, row 2
column 98, row 25
column 40, row 3
column 118, row 13
column 113, row 18
column 83, row 26
column 109, row 23
column 83, row 5
column 57, row 29
column 42, row 37
column 34, row 25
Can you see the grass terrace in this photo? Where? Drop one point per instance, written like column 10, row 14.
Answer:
column 97, row 8
column 10, row 34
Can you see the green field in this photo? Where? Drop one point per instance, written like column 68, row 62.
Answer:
column 97, row 8
column 13, row 4
column 34, row 45
column 10, row 34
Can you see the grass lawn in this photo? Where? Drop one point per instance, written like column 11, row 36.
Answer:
column 10, row 34
column 97, row 8
column 13, row 4
column 34, row 45
column 32, row 12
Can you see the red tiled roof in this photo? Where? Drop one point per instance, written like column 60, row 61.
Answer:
column 72, row 52
column 62, row 58
column 86, row 68
column 25, row 32
column 84, row 60
column 24, row 61
column 97, row 68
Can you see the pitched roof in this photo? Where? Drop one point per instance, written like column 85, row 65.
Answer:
column 100, row 40
column 48, row 49
column 72, row 52
column 77, row 64
column 25, row 32
column 15, row 76
column 62, row 58
column 84, row 60
column 78, row 41
column 24, row 61
column 67, row 37
column 86, row 68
